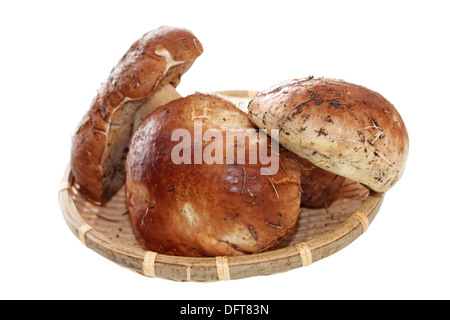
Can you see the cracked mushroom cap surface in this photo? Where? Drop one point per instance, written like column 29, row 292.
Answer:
column 341, row 127
column 213, row 208
column 100, row 144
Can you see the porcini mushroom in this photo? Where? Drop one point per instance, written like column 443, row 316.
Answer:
column 144, row 79
column 343, row 128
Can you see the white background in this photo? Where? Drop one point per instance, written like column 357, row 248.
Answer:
column 54, row 55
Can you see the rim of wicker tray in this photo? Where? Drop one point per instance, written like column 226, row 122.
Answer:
column 152, row 264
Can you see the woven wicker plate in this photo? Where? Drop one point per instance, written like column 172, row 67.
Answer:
column 318, row 234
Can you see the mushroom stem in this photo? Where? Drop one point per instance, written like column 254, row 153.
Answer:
column 161, row 97
column 239, row 98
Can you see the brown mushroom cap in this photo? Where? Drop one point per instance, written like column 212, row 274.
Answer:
column 318, row 185
column 153, row 64
column 340, row 127
column 206, row 209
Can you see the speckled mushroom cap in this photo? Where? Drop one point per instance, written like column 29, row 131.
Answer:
column 340, row 127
